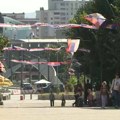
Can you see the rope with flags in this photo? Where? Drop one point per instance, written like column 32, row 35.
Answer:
column 95, row 18
column 48, row 63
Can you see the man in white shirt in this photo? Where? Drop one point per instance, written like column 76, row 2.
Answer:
column 115, row 88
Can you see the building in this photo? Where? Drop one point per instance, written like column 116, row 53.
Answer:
column 21, row 72
column 59, row 12
column 16, row 16
column 12, row 32
column 19, row 18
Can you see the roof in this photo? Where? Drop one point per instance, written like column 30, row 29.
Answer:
column 43, row 40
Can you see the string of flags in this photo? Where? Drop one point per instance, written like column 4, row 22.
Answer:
column 95, row 18
column 47, row 25
column 72, row 47
column 48, row 63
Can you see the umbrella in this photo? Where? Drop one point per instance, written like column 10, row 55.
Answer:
column 5, row 81
column 1, row 78
column 42, row 81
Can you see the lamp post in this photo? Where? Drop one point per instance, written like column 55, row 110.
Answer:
column 57, row 76
column 39, row 64
column 48, row 59
column 21, row 84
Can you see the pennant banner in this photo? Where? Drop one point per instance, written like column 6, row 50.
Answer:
column 48, row 63
column 48, row 25
column 84, row 50
column 96, row 19
column 73, row 45
column 15, row 48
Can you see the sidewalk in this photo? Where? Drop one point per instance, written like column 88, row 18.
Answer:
column 16, row 109
column 15, row 102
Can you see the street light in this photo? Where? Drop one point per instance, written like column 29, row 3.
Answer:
column 48, row 59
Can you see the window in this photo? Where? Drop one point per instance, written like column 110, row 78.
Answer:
column 56, row 18
column 62, row 13
column 56, row 13
column 63, row 18
column 67, row 4
column 62, row 8
column 62, row 4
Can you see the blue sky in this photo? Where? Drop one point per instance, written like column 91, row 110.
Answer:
column 27, row 6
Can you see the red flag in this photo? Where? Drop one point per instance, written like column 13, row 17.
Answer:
column 96, row 19
column 73, row 45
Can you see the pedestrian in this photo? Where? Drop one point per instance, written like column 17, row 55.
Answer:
column 87, row 86
column 52, row 99
column 63, row 101
column 90, row 98
column 115, row 90
column 78, row 89
column 104, row 94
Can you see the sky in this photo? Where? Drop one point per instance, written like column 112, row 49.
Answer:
column 19, row 6
column 27, row 6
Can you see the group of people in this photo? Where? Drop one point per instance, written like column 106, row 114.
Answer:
column 103, row 96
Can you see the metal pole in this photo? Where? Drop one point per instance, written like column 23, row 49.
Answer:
column 48, row 61
column 11, row 70
column 110, row 8
column 48, row 65
column 39, row 69
column 57, row 77
column 21, row 72
column 39, row 64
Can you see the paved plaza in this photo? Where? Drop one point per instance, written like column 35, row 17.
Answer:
column 16, row 109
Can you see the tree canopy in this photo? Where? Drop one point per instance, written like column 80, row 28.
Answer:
column 104, row 58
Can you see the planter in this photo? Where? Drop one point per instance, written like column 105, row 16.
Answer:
column 1, row 102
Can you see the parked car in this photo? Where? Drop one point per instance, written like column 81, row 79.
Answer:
column 27, row 88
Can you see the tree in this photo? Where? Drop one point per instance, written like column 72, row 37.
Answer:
column 1, row 21
column 3, row 42
column 104, row 58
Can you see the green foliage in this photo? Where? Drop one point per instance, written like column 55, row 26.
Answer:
column 73, row 80
column 3, row 42
column 104, row 58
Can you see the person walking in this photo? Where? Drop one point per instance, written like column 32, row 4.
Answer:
column 63, row 101
column 78, row 89
column 104, row 94
column 52, row 99
column 115, row 90
column 90, row 98
column 87, row 86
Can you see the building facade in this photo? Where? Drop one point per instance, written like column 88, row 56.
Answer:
column 59, row 12
column 15, row 33
column 16, row 16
